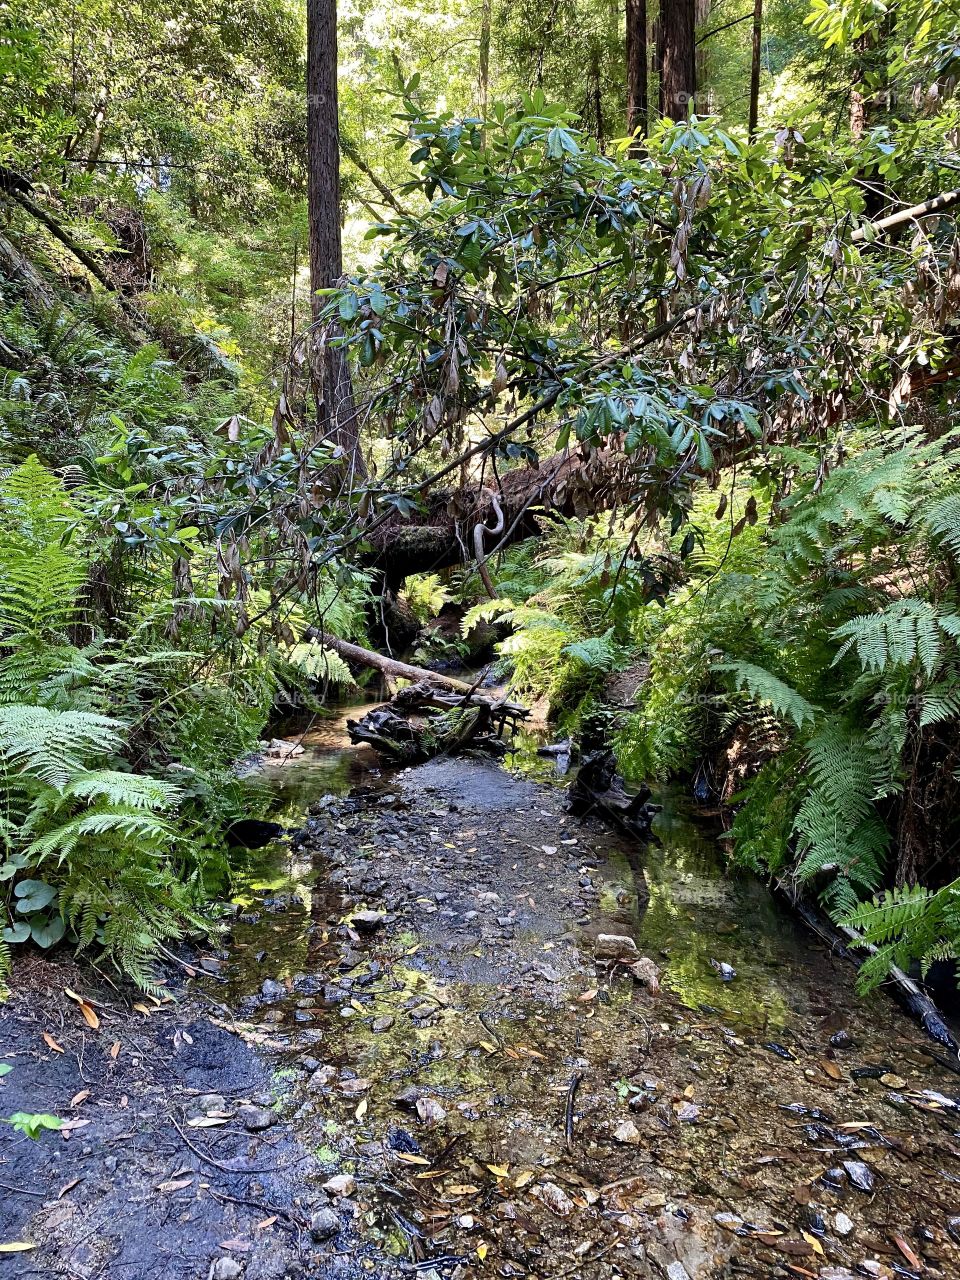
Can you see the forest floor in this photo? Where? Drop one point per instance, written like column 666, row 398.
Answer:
column 407, row 1059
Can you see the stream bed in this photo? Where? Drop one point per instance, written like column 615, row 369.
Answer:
column 416, row 1052
column 423, row 957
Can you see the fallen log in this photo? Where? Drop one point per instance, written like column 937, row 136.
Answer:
column 389, row 666
column 599, row 786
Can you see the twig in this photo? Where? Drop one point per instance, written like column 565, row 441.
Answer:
column 571, row 1098
column 218, row 1164
column 22, row 1191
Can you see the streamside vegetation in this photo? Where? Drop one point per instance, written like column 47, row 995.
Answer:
column 627, row 365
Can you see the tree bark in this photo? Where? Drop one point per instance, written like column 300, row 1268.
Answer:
column 389, row 666
column 678, row 58
column 754, row 110
column 323, row 201
column 483, row 69
column 637, row 118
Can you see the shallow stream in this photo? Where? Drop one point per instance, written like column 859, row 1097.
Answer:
column 511, row 1106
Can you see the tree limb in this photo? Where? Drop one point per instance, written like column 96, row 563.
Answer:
column 936, row 204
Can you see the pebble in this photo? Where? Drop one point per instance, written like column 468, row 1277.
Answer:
column 273, row 990
column 225, row 1269
column 430, row 1112
column 627, row 1133
column 324, row 1224
column 256, row 1119
column 382, row 1024
column 341, row 1184
column 367, row 921
column 842, row 1224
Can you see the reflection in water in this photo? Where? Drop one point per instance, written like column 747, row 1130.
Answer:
column 697, row 914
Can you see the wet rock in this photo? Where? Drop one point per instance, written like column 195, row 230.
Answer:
column 367, row 921
column 726, row 972
column 322, row 1078
column 324, row 1224
column 408, row 1097
column 859, row 1175
column 341, row 1184
column 615, row 946
column 842, row 1224
column 430, row 1112
column 399, row 1140
column 953, row 1228
column 274, row 1016
column 225, row 1269
column 273, row 990
column 352, row 1088
column 646, row 973
column 382, row 1024
column 627, row 1134
column 556, row 1200
column 842, row 1040
column 309, row 1063
column 256, row 1119
column 423, row 1011
column 677, row 1271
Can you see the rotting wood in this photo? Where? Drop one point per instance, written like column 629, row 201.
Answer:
column 597, row 785
column 422, row 722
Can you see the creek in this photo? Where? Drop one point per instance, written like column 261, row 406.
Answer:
column 506, row 1102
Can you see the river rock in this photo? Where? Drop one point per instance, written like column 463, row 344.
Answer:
column 556, row 1199
column 341, row 1184
column 351, row 1088
column 430, row 1112
column 646, row 973
column 324, row 1224
column 273, row 990
column 383, row 1023
column 256, row 1119
column 322, row 1077
column 860, row 1175
column 367, row 921
column 627, row 1134
column 225, row 1269
column 616, row 946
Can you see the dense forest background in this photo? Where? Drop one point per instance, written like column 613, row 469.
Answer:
column 634, row 353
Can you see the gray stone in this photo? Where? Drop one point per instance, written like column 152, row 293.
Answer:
column 615, row 946
column 273, row 990
column 324, row 1224
column 367, row 921
column 225, row 1269
column 341, row 1184
column 256, row 1119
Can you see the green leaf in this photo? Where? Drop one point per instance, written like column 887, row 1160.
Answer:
column 48, row 932
column 19, row 931
column 33, row 895
column 349, row 306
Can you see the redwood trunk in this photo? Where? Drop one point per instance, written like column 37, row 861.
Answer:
column 678, row 58
column 637, row 72
column 755, row 70
column 323, row 200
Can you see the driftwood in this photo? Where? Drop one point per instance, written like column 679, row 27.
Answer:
column 421, row 722
column 598, row 786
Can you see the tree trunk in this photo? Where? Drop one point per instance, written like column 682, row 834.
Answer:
column 678, row 58
column 389, row 666
column 483, row 69
column 755, row 70
column 637, row 119
column 323, row 199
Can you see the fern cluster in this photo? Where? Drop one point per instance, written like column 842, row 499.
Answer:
column 836, row 618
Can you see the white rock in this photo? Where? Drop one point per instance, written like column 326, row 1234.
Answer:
column 627, row 1133
column 843, row 1224
column 342, row 1184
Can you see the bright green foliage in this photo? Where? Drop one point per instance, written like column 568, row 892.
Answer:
column 907, row 924
column 32, row 1126
column 849, row 656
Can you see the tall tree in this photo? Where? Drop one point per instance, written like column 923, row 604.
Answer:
column 338, row 409
column 755, row 48
column 637, row 118
column 678, row 57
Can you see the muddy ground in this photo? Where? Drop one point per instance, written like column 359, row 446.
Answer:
column 409, row 1061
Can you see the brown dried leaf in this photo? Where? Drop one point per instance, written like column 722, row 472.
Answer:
column 49, row 1041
